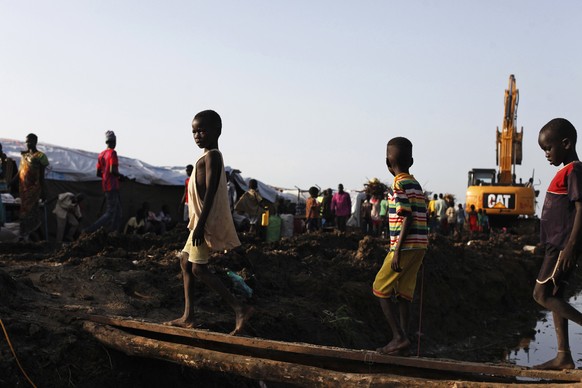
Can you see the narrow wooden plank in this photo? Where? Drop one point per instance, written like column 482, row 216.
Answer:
column 250, row 367
column 366, row 356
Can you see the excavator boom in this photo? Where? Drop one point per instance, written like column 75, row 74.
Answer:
column 509, row 140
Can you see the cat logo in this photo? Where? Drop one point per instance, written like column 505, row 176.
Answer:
column 498, row 201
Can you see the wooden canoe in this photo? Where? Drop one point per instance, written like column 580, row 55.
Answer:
column 271, row 360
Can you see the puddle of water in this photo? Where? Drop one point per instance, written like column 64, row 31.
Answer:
column 544, row 347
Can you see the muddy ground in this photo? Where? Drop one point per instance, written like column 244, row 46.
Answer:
column 316, row 288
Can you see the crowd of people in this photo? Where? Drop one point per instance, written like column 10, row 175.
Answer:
column 27, row 183
column 444, row 216
column 447, row 219
column 324, row 209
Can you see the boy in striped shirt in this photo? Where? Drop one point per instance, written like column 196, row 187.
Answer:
column 396, row 280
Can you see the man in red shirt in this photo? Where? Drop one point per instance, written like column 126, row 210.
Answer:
column 108, row 171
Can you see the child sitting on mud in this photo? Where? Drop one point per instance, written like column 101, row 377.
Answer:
column 211, row 224
column 560, row 232
column 396, row 280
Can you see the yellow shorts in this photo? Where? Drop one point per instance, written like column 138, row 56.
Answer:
column 196, row 255
column 402, row 284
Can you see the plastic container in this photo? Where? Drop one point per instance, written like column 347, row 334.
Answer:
column 287, row 221
column 265, row 218
column 274, row 229
column 239, row 284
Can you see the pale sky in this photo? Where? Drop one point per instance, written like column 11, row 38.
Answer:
column 309, row 91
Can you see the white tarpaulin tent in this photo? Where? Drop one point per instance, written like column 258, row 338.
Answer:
column 69, row 164
column 74, row 170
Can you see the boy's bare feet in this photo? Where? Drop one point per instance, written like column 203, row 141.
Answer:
column 242, row 317
column 563, row 360
column 181, row 322
column 395, row 346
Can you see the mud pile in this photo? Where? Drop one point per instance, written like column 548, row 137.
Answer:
column 476, row 300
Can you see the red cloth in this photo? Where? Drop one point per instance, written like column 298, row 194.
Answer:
column 105, row 162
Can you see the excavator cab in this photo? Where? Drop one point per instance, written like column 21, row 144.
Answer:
column 482, row 177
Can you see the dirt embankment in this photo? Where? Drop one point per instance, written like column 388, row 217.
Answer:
column 476, row 300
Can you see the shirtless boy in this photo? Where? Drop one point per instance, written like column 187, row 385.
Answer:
column 395, row 282
column 211, row 225
column 561, row 233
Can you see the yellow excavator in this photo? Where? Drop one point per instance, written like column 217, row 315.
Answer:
column 497, row 192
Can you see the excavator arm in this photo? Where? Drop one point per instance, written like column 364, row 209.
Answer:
column 509, row 140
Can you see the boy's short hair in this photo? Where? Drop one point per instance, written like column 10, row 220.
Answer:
column 32, row 136
column 210, row 119
column 561, row 128
column 402, row 143
column 405, row 147
column 313, row 191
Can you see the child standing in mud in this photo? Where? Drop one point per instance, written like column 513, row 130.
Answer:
column 211, row 224
column 396, row 280
column 561, row 233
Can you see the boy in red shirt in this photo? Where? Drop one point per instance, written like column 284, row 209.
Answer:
column 561, row 233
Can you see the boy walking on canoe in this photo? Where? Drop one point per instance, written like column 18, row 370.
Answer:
column 395, row 282
column 211, row 224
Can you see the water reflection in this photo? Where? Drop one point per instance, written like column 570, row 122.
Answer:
column 543, row 347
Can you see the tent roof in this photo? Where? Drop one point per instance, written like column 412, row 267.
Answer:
column 69, row 164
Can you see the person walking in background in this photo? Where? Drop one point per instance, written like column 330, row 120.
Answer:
column 473, row 219
column 480, row 220
column 432, row 205
column 384, row 215
column 561, row 234
column 7, row 171
column 366, row 215
column 460, row 215
column 326, row 213
column 211, row 225
column 312, row 210
column 32, row 188
column 108, row 171
column 395, row 282
column 451, row 219
column 375, row 214
column 440, row 208
column 184, row 200
column 251, row 204
column 68, row 213
column 484, row 222
column 341, row 207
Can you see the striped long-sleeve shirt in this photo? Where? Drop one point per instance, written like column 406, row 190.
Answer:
column 408, row 198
